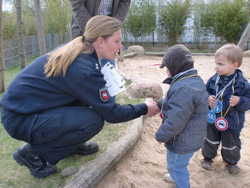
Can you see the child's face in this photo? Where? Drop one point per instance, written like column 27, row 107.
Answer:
column 224, row 67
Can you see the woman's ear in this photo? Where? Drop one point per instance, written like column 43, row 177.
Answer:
column 100, row 41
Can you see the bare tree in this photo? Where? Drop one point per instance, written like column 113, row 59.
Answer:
column 20, row 33
column 244, row 37
column 39, row 23
column 1, row 52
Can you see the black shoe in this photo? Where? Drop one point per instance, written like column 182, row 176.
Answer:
column 206, row 164
column 233, row 169
column 37, row 166
column 87, row 148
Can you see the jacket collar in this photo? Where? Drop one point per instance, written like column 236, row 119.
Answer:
column 97, row 65
column 225, row 79
column 180, row 75
column 94, row 55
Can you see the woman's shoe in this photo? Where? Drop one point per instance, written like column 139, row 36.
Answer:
column 87, row 148
column 38, row 167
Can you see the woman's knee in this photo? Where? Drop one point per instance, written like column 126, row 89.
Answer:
column 98, row 123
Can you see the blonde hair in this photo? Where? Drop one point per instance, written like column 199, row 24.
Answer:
column 98, row 26
column 232, row 52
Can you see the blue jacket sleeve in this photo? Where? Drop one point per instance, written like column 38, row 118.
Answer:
column 176, row 117
column 244, row 103
column 87, row 89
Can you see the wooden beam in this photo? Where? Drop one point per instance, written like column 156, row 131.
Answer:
column 94, row 171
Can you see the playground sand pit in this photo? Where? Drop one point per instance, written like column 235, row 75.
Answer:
column 144, row 165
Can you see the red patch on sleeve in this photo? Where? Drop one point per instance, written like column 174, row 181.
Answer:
column 104, row 94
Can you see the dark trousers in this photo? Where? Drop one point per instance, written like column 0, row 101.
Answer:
column 56, row 133
column 231, row 145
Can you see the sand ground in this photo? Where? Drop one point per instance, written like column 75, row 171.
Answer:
column 144, row 165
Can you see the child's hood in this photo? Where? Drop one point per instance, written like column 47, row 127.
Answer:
column 177, row 59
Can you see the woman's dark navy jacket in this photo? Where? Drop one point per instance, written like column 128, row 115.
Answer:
column 236, row 114
column 32, row 92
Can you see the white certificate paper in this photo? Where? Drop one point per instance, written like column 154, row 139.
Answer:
column 114, row 82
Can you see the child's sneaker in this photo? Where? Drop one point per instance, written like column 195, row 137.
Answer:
column 233, row 169
column 168, row 178
column 206, row 164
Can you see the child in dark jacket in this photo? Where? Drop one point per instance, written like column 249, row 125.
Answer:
column 184, row 112
column 229, row 98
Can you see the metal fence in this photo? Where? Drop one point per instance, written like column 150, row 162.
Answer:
column 202, row 42
column 11, row 51
column 31, row 48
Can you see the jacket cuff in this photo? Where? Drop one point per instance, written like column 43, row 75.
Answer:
column 144, row 108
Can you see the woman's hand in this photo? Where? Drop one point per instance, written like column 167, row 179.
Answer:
column 152, row 108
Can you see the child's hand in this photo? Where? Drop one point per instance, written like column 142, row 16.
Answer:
column 234, row 100
column 212, row 101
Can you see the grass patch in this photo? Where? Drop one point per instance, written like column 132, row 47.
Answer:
column 14, row 176
column 9, row 75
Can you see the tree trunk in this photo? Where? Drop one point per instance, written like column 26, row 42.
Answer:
column 215, row 42
column 244, row 37
column 20, row 34
column 90, row 174
column 39, row 23
column 1, row 52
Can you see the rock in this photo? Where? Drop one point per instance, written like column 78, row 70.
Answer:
column 136, row 48
column 246, row 53
column 142, row 88
column 120, row 58
column 69, row 171
column 130, row 55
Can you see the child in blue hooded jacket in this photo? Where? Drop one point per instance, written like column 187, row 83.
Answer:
column 229, row 98
column 184, row 112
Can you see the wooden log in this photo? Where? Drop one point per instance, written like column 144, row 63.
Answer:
column 94, row 171
column 130, row 55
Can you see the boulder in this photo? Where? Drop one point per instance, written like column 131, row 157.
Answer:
column 246, row 53
column 139, row 50
column 120, row 58
column 69, row 171
column 142, row 88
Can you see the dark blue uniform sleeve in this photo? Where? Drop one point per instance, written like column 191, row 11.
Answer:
column 32, row 92
column 88, row 88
